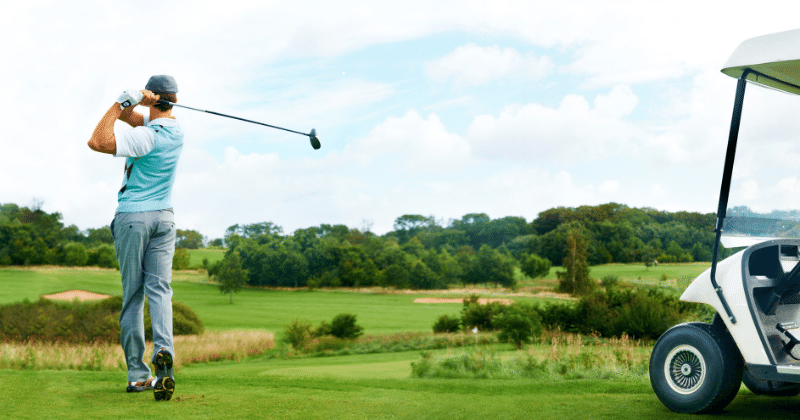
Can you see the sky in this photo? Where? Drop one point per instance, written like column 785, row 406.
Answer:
column 437, row 108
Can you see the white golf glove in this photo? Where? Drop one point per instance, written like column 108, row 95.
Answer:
column 130, row 97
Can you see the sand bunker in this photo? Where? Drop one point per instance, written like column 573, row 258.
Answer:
column 482, row 301
column 80, row 294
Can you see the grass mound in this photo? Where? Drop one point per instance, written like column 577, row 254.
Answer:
column 80, row 322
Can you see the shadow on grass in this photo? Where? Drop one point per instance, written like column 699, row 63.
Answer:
column 749, row 406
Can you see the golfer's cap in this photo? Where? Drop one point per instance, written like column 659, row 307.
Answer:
column 162, row 83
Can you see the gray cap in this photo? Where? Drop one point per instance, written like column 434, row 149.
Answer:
column 162, row 83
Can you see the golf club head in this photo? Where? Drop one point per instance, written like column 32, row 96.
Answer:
column 314, row 140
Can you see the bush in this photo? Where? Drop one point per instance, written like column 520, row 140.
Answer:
column 103, row 256
column 180, row 261
column 535, row 266
column 614, row 312
column 75, row 255
column 297, row 333
column 609, row 281
column 76, row 322
column 519, row 324
column 473, row 314
column 344, row 326
column 446, row 324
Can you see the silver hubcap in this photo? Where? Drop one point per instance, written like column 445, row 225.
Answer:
column 685, row 369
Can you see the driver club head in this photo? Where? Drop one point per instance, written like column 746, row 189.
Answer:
column 314, row 140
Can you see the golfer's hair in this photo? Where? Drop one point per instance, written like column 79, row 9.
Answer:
column 167, row 97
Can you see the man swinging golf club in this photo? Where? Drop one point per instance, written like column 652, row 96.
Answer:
column 143, row 227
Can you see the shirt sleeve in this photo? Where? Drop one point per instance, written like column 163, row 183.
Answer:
column 136, row 142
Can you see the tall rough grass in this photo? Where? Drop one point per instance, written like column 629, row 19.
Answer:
column 208, row 347
column 555, row 355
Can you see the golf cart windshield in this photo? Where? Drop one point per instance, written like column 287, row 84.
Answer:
column 764, row 190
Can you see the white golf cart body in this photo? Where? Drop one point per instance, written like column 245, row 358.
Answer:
column 756, row 291
column 772, row 61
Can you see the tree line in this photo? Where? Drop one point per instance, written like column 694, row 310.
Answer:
column 420, row 251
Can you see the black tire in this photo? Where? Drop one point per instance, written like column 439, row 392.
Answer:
column 694, row 368
column 769, row 388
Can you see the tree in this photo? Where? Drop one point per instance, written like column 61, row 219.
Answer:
column 181, row 259
column 344, row 326
column 491, row 266
column 535, row 266
column 74, row 255
column 230, row 275
column 575, row 279
column 519, row 324
column 409, row 225
column 99, row 236
column 189, row 239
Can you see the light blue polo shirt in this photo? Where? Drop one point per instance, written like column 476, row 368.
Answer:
column 152, row 152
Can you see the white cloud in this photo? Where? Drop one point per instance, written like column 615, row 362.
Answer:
column 63, row 70
column 571, row 133
column 414, row 144
column 610, row 186
column 471, row 64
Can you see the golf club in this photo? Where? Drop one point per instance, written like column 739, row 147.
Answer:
column 312, row 135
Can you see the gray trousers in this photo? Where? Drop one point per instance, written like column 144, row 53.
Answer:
column 145, row 244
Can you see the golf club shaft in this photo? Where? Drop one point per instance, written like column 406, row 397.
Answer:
column 231, row 116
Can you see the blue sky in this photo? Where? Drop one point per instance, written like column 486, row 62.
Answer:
column 435, row 108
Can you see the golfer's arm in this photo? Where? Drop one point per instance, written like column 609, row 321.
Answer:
column 134, row 119
column 103, row 139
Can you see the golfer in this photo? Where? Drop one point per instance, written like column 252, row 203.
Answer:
column 144, row 226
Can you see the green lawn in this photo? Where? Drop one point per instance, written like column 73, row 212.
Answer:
column 347, row 387
column 253, row 308
column 369, row 386
column 196, row 256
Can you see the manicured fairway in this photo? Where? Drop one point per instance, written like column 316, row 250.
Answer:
column 371, row 386
column 347, row 387
column 213, row 255
column 253, row 308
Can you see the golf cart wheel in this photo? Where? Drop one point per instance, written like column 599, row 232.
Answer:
column 694, row 370
column 769, row 388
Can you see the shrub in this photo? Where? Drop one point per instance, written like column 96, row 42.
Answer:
column 323, row 329
column 614, row 312
column 446, row 324
column 519, row 323
column 103, row 256
column 535, row 266
column 297, row 333
column 74, row 322
column 344, row 326
column 75, row 255
column 180, row 261
column 473, row 314
column 609, row 281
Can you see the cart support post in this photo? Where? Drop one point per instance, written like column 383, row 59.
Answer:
column 726, row 187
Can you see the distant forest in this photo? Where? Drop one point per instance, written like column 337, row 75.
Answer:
column 331, row 254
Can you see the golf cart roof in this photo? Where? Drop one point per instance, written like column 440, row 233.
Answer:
column 772, row 60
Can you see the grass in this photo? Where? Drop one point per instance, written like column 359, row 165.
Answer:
column 211, row 346
column 344, row 386
column 196, row 256
column 259, row 309
column 675, row 276
column 348, row 387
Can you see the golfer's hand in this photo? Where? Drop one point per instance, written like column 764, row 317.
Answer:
column 148, row 98
column 129, row 98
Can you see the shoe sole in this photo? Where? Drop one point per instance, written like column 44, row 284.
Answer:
column 164, row 389
column 163, row 362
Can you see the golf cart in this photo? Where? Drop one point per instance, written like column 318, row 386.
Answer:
column 698, row 367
